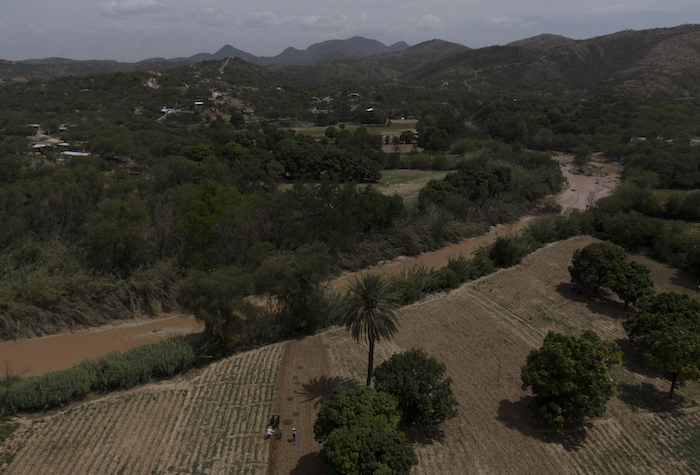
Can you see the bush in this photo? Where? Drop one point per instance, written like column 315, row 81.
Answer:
column 504, row 252
column 549, row 228
column 113, row 371
column 48, row 391
column 461, row 266
column 446, row 279
column 406, row 291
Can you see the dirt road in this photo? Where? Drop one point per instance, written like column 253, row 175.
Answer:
column 305, row 382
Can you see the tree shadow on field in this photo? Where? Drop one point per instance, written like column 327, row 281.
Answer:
column 320, row 389
column 648, row 397
column 601, row 304
column 632, row 361
column 309, row 464
column 686, row 280
column 521, row 416
column 423, row 434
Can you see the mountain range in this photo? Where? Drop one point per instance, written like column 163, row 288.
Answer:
column 663, row 60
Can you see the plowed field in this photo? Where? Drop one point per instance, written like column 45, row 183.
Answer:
column 483, row 332
column 213, row 421
column 210, row 423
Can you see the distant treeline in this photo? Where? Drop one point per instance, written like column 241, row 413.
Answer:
column 172, row 208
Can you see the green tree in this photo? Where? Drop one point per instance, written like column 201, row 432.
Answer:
column 116, row 236
column 667, row 330
column 216, row 298
column 359, row 428
column 295, row 285
column 215, row 221
column 631, row 282
column 418, row 383
column 569, row 376
column 362, row 450
column 361, row 405
column 370, row 312
column 594, row 265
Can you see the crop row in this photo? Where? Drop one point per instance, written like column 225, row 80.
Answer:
column 213, row 423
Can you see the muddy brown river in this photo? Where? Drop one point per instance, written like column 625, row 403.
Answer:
column 40, row 355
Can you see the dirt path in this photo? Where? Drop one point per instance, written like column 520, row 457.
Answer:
column 305, row 382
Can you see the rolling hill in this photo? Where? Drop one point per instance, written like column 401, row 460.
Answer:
column 664, row 60
column 645, row 62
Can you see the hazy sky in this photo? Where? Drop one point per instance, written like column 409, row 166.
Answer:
column 132, row 30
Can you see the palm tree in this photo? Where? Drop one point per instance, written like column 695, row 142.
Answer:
column 370, row 312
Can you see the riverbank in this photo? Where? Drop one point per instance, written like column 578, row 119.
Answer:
column 50, row 353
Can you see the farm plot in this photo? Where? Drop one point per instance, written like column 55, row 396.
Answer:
column 483, row 332
column 212, row 423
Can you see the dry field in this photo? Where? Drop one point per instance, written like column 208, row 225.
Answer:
column 213, row 421
column 483, row 332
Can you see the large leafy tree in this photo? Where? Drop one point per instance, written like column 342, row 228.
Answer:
column 418, row 383
column 360, row 405
column 593, row 266
column 359, row 428
column 667, row 330
column 295, row 286
column 360, row 450
column 569, row 376
column 370, row 312
column 631, row 282
column 216, row 298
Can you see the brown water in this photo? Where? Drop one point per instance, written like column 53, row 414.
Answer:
column 50, row 353
column 40, row 355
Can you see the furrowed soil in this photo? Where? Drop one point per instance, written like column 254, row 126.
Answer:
column 483, row 332
column 213, row 420
column 210, row 422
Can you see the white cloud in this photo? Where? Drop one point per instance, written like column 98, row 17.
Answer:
column 429, row 22
column 261, row 20
column 214, row 17
column 502, row 21
column 129, row 8
column 610, row 9
column 311, row 20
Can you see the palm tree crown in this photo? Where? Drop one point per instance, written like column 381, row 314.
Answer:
column 370, row 312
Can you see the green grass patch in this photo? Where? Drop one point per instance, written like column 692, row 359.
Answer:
column 7, row 428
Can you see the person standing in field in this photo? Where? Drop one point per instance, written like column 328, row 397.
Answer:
column 269, row 432
column 280, row 434
column 294, row 434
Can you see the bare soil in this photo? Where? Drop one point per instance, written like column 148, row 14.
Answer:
column 305, row 383
column 213, row 420
column 483, row 332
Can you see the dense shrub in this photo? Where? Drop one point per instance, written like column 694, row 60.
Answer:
column 113, row 371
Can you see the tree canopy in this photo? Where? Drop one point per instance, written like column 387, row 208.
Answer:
column 370, row 312
column 593, row 266
column 569, row 376
column 604, row 264
column 358, row 426
column 418, row 383
column 667, row 330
